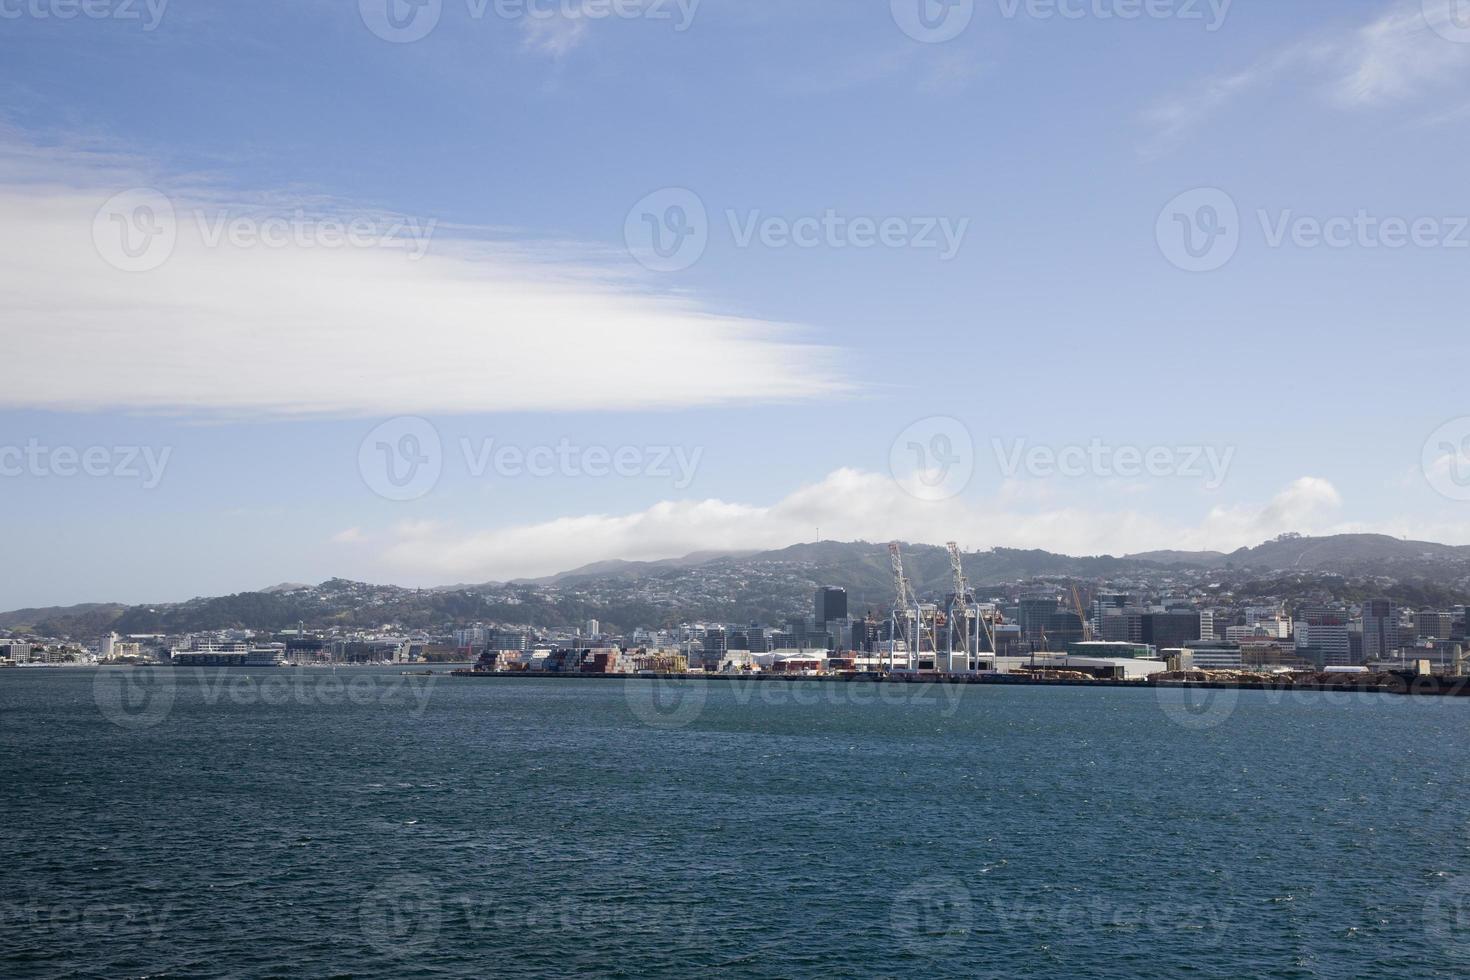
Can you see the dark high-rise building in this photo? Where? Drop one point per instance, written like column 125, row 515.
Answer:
column 1062, row 629
column 715, row 641
column 1032, row 615
column 831, row 604
column 1380, row 629
column 1169, row 630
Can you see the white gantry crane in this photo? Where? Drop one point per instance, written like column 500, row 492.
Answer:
column 909, row 616
column 966, row 613
column 902, row 608
column 962, row 612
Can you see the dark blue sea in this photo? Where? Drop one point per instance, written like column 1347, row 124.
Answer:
column 199, row 823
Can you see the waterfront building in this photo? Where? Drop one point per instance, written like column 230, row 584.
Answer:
column 15, row 651
column 1212, row 656
column 1110, row 650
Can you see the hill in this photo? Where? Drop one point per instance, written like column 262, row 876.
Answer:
column 772, row 586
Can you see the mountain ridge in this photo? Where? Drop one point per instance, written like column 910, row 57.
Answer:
column 735, row 586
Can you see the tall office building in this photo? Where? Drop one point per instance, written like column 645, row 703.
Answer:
column 1380, row 629
column 1063, row 629
column 1033, row 615
column 1170, row 630
column 831, row 604
column 1107, row 615
column 1434, row 625
column 1322, row 636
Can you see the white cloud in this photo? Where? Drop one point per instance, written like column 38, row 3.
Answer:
column 1397, row 57
column 556, row 33
column 351, row 535
column 305, row 328
column 847, row 505
column 554, row 36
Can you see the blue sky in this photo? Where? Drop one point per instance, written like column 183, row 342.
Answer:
column 497, row 167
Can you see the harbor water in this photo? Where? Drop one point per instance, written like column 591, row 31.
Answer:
column 177, row 822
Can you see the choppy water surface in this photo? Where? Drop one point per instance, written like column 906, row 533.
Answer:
column 187, row 823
